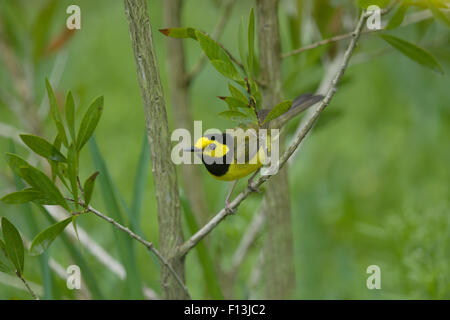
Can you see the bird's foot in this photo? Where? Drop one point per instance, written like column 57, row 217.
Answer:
column 229, row 209
column 252, row 188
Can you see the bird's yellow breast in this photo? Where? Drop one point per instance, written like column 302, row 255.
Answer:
column 239, row 170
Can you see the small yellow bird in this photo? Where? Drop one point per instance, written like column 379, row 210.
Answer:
column 223, row 154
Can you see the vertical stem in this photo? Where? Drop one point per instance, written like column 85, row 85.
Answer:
column 164, row 174
column 180, row 102
column 279, row 271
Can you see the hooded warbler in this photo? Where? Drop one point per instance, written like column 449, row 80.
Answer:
column 231, row 156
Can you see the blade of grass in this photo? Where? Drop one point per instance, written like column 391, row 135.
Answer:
column 209, row 273
column 125, row 244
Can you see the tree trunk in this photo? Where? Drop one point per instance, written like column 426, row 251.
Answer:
column 279, row 271
column 164, row 173
column 180, row 102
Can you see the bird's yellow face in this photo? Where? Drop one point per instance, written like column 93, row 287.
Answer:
column 211, row 147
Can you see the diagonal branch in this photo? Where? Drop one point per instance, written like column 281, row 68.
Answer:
column 222, row 214
column 409, row 19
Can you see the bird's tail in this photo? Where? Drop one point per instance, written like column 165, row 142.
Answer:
column 299, row 104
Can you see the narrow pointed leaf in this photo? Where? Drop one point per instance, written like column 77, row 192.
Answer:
column 442, row 17
column 398, row 17
column 235, row 116
column 179, row 33
column 41, row 182
column 22, row 196
column 218, row 57
column 89, row 187
column 251, row 41
column 45, row 238
column 13, row 244
column 55, row 113
column 414, row 52
column 236, row 93
column 5, row 264
column 234, row 103
column 89, row 122
column 278, row 110
column 42, row 147
column 72, row 171
column 70, row 115
column 15, row 163
column 241, row 45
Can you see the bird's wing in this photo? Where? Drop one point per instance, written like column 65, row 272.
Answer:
column 299, row 104
column 245, row 146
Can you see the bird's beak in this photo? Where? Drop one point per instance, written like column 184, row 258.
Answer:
column 192, row 149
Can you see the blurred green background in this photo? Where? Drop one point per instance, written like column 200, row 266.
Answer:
column 370, row 185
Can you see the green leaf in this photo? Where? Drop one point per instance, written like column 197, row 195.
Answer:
column 236, row 93
column 413, row 52
column 235, row 116
column 181, row 33
column 89, row 187
column 241, row 45
column 13, row 244
column 218, row 57
column 5, row 264
column 70, row 115
column 56, row 115
column 42, row 147
column 15, row 163
column 234, row 103
column 45, row 238
column 278, row 110
column 72, row 171
column 251, row 41
column 89, row 122
column 41, row 182
column 442, row 17
column 398, row 17
column 22, row 196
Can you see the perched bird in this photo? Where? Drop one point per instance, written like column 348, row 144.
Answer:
column 231, row 156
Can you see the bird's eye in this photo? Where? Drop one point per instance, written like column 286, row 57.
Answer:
column 213, row 138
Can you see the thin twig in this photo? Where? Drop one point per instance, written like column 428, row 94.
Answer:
column 35, row 297
column 410, row 19
column 205, row 230
column 146, row 243
column 218, row 30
